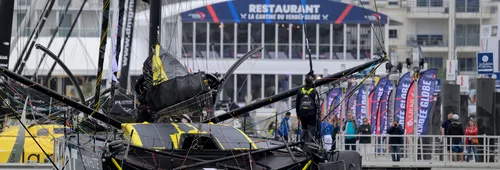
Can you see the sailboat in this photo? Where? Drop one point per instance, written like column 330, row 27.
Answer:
column 162, row 142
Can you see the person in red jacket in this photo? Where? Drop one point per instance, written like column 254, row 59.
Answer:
column 471, row 142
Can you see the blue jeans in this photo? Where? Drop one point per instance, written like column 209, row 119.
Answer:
column 395, row 153
column 471, row 149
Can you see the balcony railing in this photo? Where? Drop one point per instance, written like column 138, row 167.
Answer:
column 442, row 6
column 437, row 40
column 467, row 41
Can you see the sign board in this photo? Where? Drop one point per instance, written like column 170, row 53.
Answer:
column 485, row 63
column 438, row 86
column 496, row 76
column 489, row 31
column 451, row 70
column 463, row 81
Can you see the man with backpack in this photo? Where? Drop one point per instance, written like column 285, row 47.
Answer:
column 456, row 130
column 307, row 109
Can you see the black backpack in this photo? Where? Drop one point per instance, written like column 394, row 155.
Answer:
column 454, row 130
column 307, row 101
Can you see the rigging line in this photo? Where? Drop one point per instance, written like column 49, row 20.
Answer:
column 49, row 74
column 32, row 137
column 102, row 50
column 21, row 65
column 47, row 7
column 51, row 40
column 381, row 44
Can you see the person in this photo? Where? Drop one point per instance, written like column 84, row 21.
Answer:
column 326, row 132
column 336, row 128
column 456, row 130
column 365, row 141
column 307, row 109
column 284, row 127
column 444, row 127
column 395, row 141
column 471, row 142
column 349, row 129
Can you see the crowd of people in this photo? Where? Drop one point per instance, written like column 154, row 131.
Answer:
column 358, row 137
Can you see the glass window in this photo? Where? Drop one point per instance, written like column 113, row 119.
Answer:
column 297, row 80
column 324, row 41
column 214, row 40
column 310, row 31
column 338, row 41
column 436, row 3
column 283, row 83
column 467, row 35
column 201, row 39
column 229, row 89
column 241, row 87
column 466, row 64
column 352, row 42
column 89, row 24
column 256, row 38
column 256, row 86
column 270, row 85
column 27, row 29
column 42, row 132
column 269, row 40
column 422, row 3
column 65, row 24
column 187, row 40
column 228, row 39
column 296, row 41
column 434, row 62
column 365, row 41
column 283, row 41
column 25, row 2
column 242, row 39
column 393, row 33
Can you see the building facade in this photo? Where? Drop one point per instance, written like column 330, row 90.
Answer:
column 210, row 35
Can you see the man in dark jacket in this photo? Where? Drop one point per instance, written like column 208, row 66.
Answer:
column 395, row 141
column 307, row 108
column 365, row 141
column 456, row 130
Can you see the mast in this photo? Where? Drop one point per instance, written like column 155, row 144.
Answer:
column 117, row 49
column 49, row 74
column 6, row 11
column 21, row 62
column 52, row 39
column 102, row 50
column 127, row 44
column 154, row 24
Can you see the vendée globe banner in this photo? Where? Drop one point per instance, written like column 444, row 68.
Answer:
column 426, row 87
column 377, row 94
column 334, row 98
column 283, row 11
column 351, row 103
column 383, row 109
column 400, row 98
column 361, row 104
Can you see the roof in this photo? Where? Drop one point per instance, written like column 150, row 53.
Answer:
column 267, row 11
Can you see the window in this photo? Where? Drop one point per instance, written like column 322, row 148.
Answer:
column 466, row 64
column 241, row 86
column 434, row 62
column 393, row 33
column 256, row 86
column 430, row 40
column 269, row 85
column 393, row 3
column 27, row 29
column 467, row 35
column 25, row 2
column 429, row 3
column 65, row 24
column 228, row 92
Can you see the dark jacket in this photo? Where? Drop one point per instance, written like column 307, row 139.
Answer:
column 314, row 95
column 455, row 129
column 395, row 130
column 362, row 129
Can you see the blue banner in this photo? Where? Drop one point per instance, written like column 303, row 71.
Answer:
column 426, row 87
column 333, row 100
column 361, row 104
column 496, row 76
column 383, row 109
column 283, row 11
column 484, row 63
column 351, row 102
column 377, row 94
column 400, row 99
column 438, row 87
